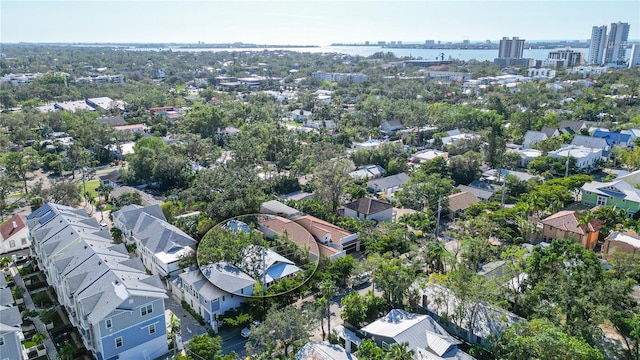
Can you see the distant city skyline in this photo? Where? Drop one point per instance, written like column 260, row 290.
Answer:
column 301, row 22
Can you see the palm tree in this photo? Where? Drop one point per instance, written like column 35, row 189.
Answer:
column 435, row 254
column 321, row 304
column 400, row 352
column 583, row 223
column 328, row 289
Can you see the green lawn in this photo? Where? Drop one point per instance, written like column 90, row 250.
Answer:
column 91, row 187
column 293, row 123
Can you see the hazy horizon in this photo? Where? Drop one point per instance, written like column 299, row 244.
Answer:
column 301, row 22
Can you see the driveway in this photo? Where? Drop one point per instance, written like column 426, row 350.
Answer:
column 188, row 325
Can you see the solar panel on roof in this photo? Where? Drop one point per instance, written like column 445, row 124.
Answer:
column 46, row 218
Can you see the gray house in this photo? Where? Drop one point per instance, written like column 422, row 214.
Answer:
column 10, row 333
column 390, row 127
column 421, row 333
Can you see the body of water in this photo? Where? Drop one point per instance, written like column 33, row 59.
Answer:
column 461, row 54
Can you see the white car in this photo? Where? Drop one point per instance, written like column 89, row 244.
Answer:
column 247, row 331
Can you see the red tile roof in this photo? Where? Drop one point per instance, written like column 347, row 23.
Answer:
column 568, row 221
column 7, row 229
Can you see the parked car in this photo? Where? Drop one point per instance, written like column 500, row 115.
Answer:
column 360, row 280
column 247, row 331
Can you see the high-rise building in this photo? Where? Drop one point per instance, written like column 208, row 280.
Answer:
column 511, row 48
column 572, row 57
column 598, row 44
column 634, row 59
column 616, row 43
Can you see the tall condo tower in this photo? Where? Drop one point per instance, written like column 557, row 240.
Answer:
column 617, row 43
column 511, row 48
column 598, row 44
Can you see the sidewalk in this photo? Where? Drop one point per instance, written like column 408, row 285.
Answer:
column 28, row 302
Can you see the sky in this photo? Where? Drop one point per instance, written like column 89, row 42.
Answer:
column 303, row 22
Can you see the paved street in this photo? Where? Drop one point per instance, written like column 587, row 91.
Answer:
column 188, row 325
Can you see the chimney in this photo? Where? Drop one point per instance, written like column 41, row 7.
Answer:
column 15, row 224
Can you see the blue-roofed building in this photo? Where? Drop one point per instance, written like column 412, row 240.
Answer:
column 267, row 265
column 614, row 138
column 236, row 225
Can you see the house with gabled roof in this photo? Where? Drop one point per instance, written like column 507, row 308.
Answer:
column 461, row 201
column 421, row 333
column 388, row 184
column 369, row 209
column 266, row 265
column 117, row 307
column 627, row 242
column 566, row 225
column 471, row 321
column 277, row 226
column 14, row 234
column 213, row 289
column 531, row 137
column 329, row 234
column 618, row 193
column 390, row 127
column 368, row 172
column 590, row 142
column 573, row 126
column 11, row 335
column 159, row 244
column 614, row 138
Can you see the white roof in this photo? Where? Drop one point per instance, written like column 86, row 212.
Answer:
column 626, row 238
column 574, row 151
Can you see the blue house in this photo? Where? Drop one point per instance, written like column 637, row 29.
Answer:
column 614, row 138
column 117, row 307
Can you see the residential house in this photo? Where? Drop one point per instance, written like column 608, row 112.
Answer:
column 499, row 176
column 367, row 172
column 426, row 155
column 369, row 209
column 531, row 137
column 276, row 226
column 329, row 234
column 267, row 265
column 11, row 335
column 566, row 225
column 388, row 185
column 550, row 131
column 14, row 235
column 573, row 126
column 323, row 351
column 421, row 333
column 591, row 142
column 390, row 127
column 319, row 124
column 633, row 133
column 473, row 322
column 213, row 290
column 527, row 155
column 461, row 201
column 367, row 145
column 621, row 242
column 618, row 193
column 159, row 244
column 480, row 193
column 457, row 137
column 324, row 232
column 110, row 179
column 297, row 196
column 300, row 115
column 117, row 307
column 112, row 120
column 134, row 128
column 632, row 178
column 586, row 158
column 614, row 138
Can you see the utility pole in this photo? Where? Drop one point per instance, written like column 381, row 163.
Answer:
column 438, row 217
